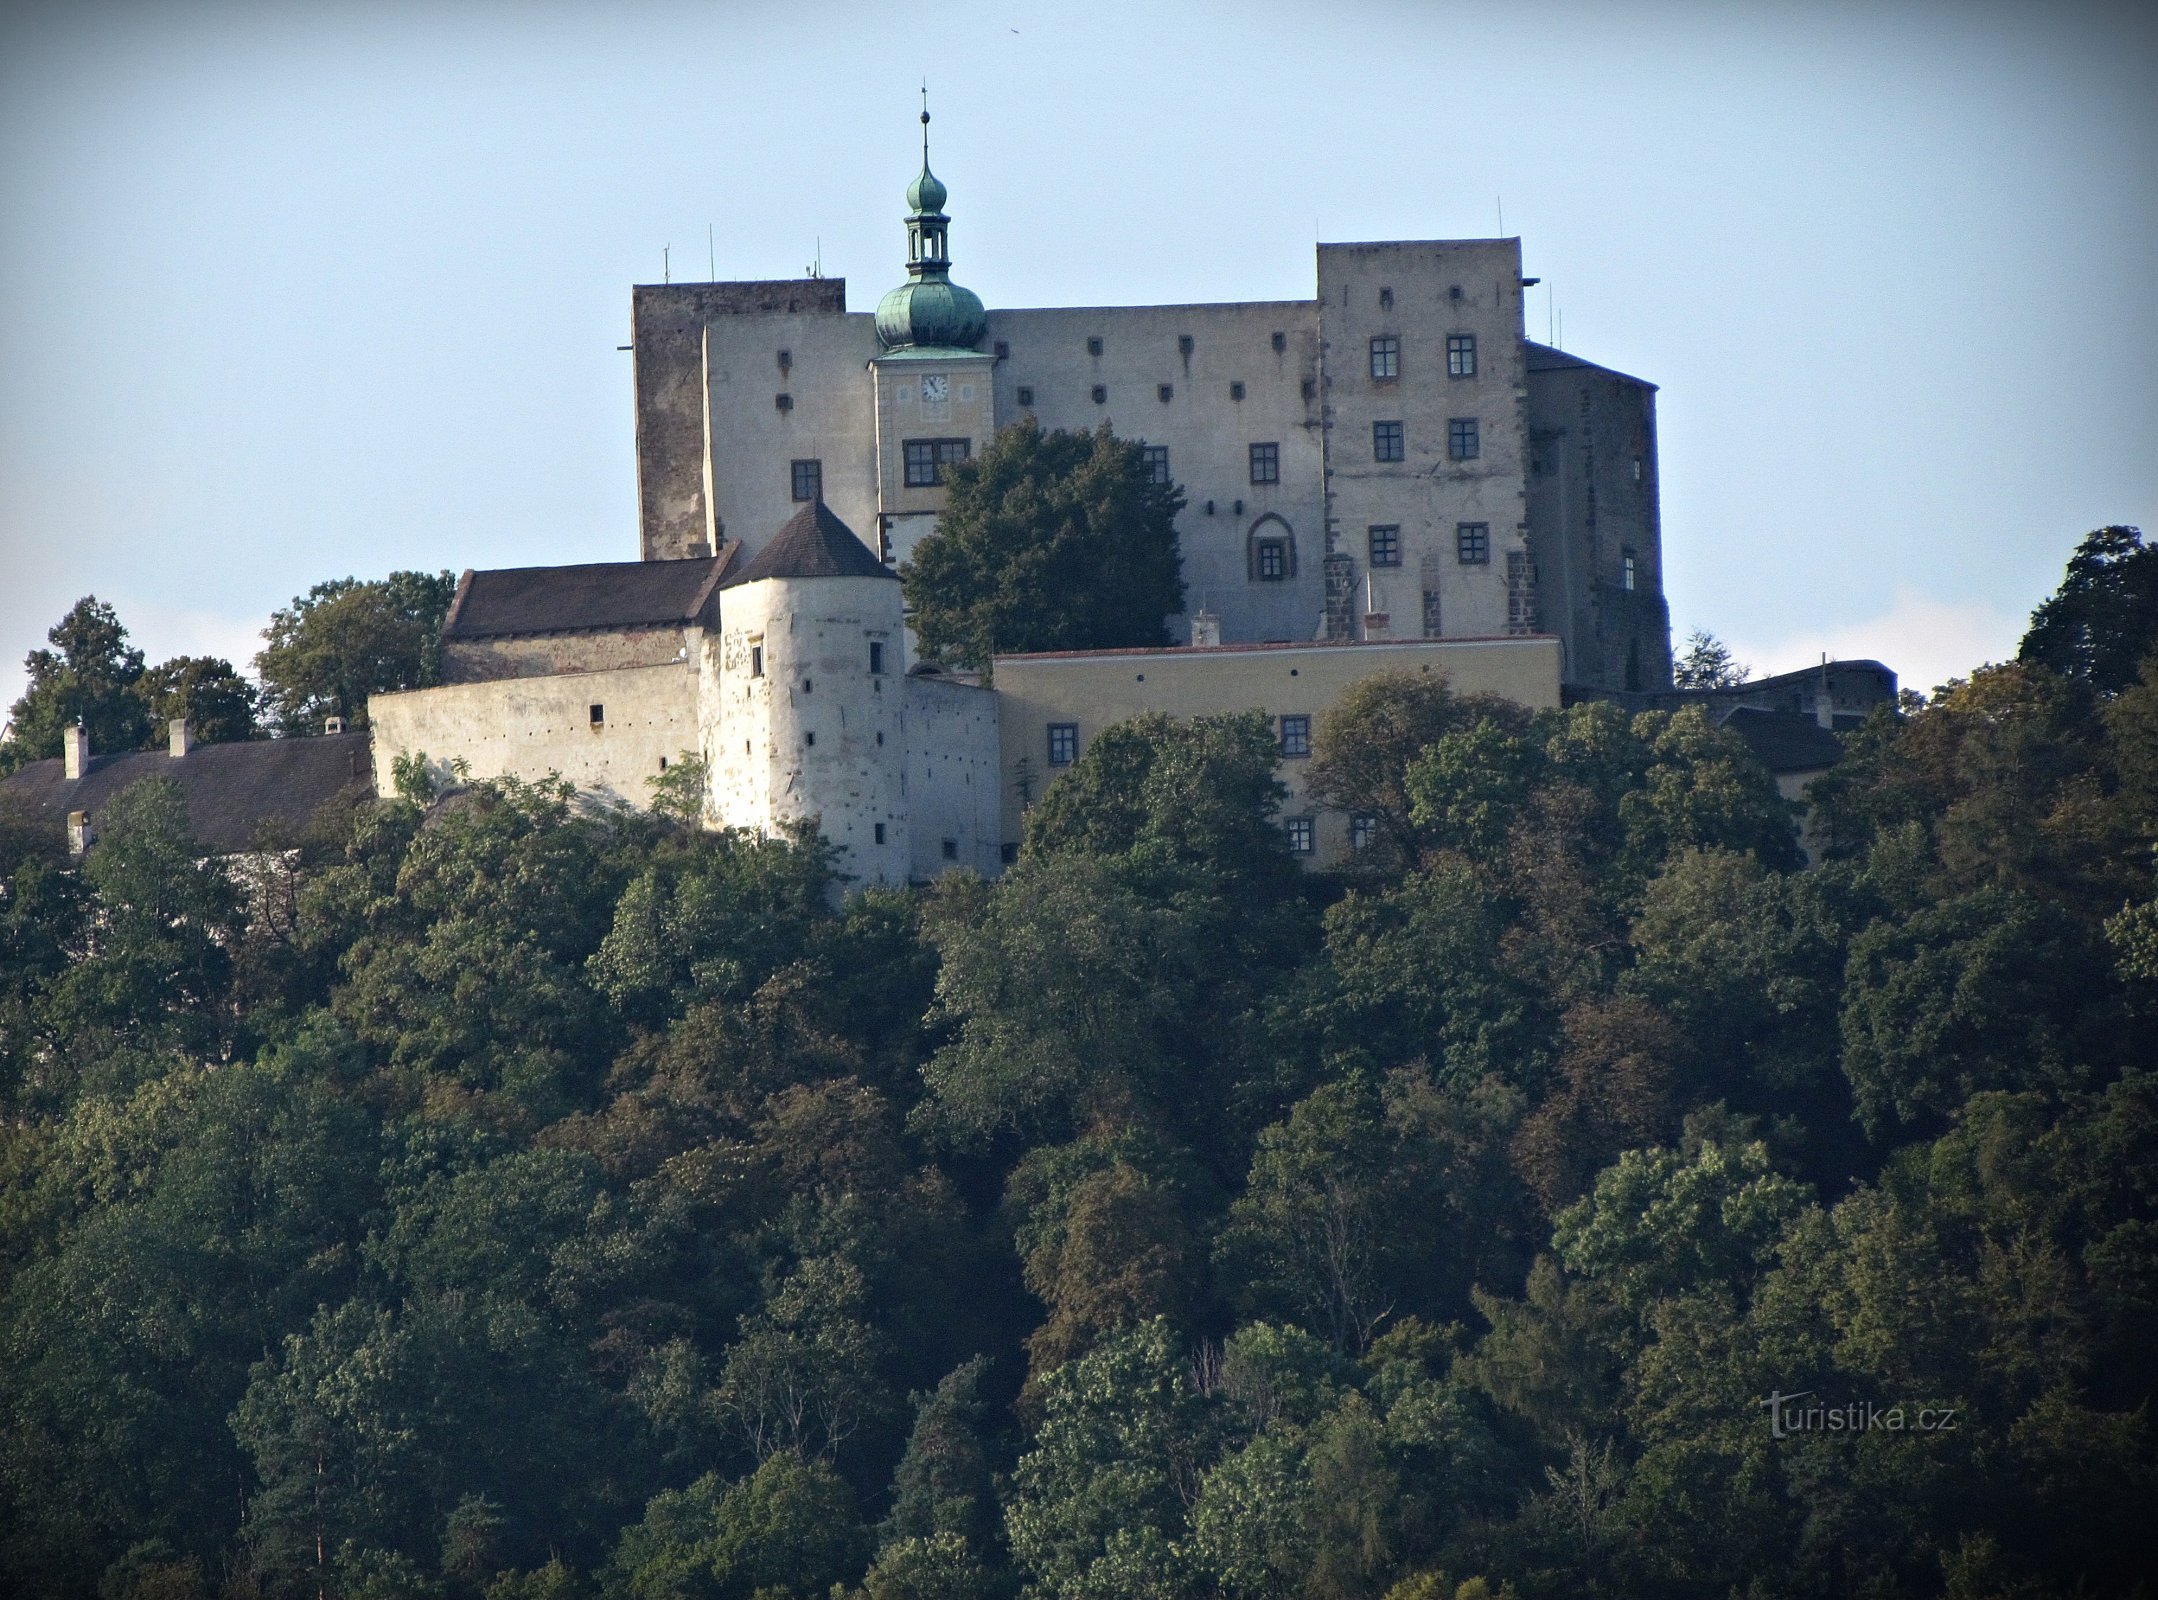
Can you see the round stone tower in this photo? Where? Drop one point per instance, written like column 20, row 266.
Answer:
column 802, row 710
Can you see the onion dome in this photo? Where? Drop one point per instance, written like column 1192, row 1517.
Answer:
column 929, row 311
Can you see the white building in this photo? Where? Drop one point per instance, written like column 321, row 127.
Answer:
column 1392, row 458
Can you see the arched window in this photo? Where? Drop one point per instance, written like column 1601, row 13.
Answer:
column 1270, row 551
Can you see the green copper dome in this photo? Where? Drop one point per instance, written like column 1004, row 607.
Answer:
column 925, row 194
column 929, row 311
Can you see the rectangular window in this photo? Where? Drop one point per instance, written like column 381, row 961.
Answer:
column 1093, row 346
column 1101, row 394
column 599, row 714
column 926, row 460
column 1295, row 738
column 1362, row 831
column 880, row 833
column 1386, row 545
column 1157, row 461
column 1461, row 355
column 1629, row 569
column 951, row 849
column 1302, row 835
column 876, row 659
column 1266, row 463
column 1063, row 743
column 1386, row 444
column 1026, row 394
column 756, row 661
column 1472, row 543
column 1386, row 356
column 1273, row 560
column 1464, row 441
column 809, row 480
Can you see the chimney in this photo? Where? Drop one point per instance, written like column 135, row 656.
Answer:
column 179, row 739
column 1824, row 701
column 78, row 832
column 75, row 741
column 1205, row 629
column 333, row 725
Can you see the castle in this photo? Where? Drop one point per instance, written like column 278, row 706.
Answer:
column 1389, row 476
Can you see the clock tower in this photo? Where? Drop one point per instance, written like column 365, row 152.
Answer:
column 935, row 403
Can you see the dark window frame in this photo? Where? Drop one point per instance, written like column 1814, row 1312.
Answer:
column 1385, row 356
column 1388, row 442
column 1472, row 544
column 1302, row 835
column 1156, row 457
column 1461, row 355
column 924, row 460
column 1384, row 544
column 1295, row 737
column 1464, row 438
column 1063, row 743
column 1266, row 462
column 808, row 478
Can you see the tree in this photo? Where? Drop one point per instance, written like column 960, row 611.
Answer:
column 2103, row 620
column 1373, row 735
column 92, row 677
column 344, row 640
column 1707, row 663
column 217, row 702
column 1048, row 541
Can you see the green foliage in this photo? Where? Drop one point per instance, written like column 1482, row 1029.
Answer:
column 1707, row 663
column 344, row 640
column 1048, row 541
column 218, row 704
column 540, row 1203
column 2101, row 625
column 92, row 676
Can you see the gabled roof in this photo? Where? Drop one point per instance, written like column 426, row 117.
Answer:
column 232, row 790
column 599, row 594
column 813, row 544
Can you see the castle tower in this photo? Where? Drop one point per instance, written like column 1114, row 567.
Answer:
column 935, row 393
column 802, row 710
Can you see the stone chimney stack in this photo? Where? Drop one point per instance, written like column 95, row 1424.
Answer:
column 333, row 725
column 1824, row 701
column 180, row 739
column 75, row 743
column 78, row 832
column 1205, row 629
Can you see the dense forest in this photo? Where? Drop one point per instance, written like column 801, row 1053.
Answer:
column 1582, row 1197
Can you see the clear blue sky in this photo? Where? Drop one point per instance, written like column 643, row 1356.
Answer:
column 293, row 291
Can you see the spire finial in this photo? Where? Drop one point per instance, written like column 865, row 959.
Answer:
column 925, row 123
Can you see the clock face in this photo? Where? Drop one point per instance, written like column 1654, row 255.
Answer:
column 936, row 389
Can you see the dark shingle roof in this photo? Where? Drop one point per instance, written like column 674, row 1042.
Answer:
column 813, row 544
column 600, row 594
column 231, row 789
column 1785, row 741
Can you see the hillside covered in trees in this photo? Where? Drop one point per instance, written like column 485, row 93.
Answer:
column 1582, row 1198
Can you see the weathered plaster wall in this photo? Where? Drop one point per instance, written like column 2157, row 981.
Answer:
column 1419, row 293
column 1593, row 493
column 814, row 733
column 529, row 728
column 667, row 323
column 1097, row 689
column 1206, row 430
column 952, row 776
column 484, row 660
column 828, row 418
